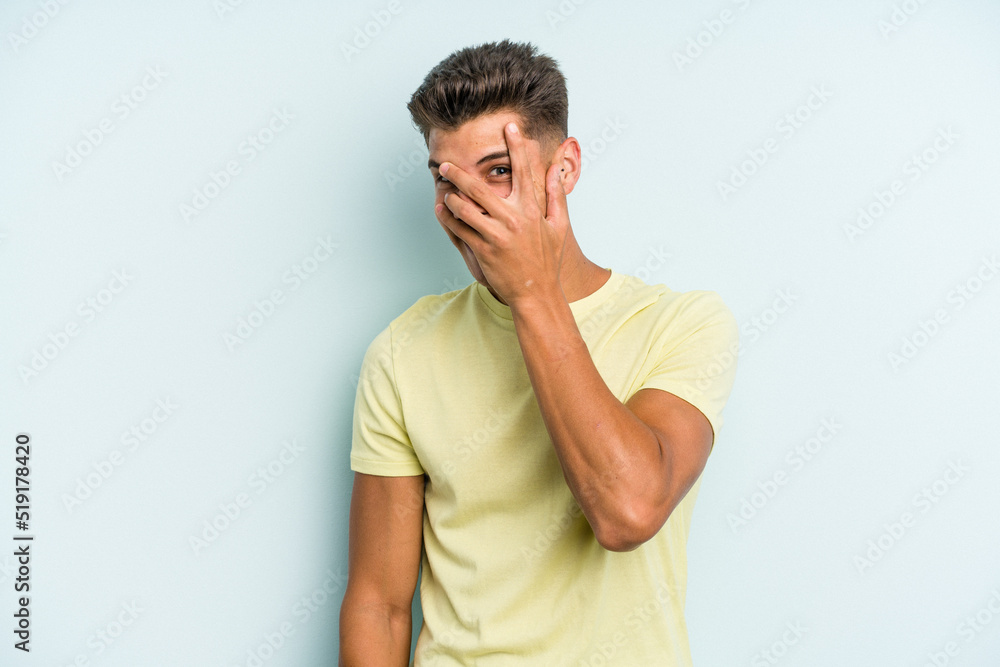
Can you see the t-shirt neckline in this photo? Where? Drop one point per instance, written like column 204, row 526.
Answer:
column 580, row 307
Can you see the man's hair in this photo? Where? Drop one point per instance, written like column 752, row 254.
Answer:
column 499, row 76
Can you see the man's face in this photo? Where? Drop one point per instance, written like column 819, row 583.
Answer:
column 478, row 147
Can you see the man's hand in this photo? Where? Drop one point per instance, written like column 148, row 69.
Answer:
column 518, row 240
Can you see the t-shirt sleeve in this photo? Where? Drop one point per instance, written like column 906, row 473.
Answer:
column 380, row 444
column 696, row 355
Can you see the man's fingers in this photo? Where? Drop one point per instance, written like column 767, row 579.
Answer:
column 468, row 213
column 520, row 162
column 473, row 189
column 455, row 214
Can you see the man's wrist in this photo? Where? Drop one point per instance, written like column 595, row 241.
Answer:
column 536, row 299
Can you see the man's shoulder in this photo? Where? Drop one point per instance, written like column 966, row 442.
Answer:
column 432, row 309
column 417, row 322
column 659, row 299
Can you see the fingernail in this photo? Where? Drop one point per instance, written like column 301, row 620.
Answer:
column 512, row 127
column 443, row 169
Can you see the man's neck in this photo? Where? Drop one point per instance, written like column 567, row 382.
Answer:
column 584, row 278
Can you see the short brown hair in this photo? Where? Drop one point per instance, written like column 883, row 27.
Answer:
column 493, row 77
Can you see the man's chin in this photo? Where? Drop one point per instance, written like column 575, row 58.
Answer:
column 481, row 279
column 473, row 264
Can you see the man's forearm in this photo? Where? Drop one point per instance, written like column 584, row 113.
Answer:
column 374, row 637
column 612, row 461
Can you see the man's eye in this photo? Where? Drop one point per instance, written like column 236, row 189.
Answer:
column 500, row 171
column 441, row 179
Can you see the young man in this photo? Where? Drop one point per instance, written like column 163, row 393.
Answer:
column 534, row 440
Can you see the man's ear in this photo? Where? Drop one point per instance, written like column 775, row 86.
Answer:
column 567, row 155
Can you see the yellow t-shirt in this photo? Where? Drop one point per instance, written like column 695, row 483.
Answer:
column 512, row 572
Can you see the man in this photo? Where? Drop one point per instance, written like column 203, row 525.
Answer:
column 535, row 439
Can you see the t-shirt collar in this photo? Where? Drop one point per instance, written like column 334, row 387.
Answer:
column 580, row 307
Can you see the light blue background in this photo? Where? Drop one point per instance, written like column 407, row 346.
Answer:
column 650, row 189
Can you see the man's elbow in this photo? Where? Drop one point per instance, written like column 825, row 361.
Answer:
column 630, row 528
column 374, row 630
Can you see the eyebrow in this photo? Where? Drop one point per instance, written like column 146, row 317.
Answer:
column 496, row 155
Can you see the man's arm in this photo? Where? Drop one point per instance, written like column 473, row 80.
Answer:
column 627, row 464
column 385, row 538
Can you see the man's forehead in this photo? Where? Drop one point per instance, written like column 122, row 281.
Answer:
column 474, row 142
column 475, row 157
column 485, row 127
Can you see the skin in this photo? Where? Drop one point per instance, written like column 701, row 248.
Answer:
column 483, row 137
column 385, row 535
column 501, row 199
